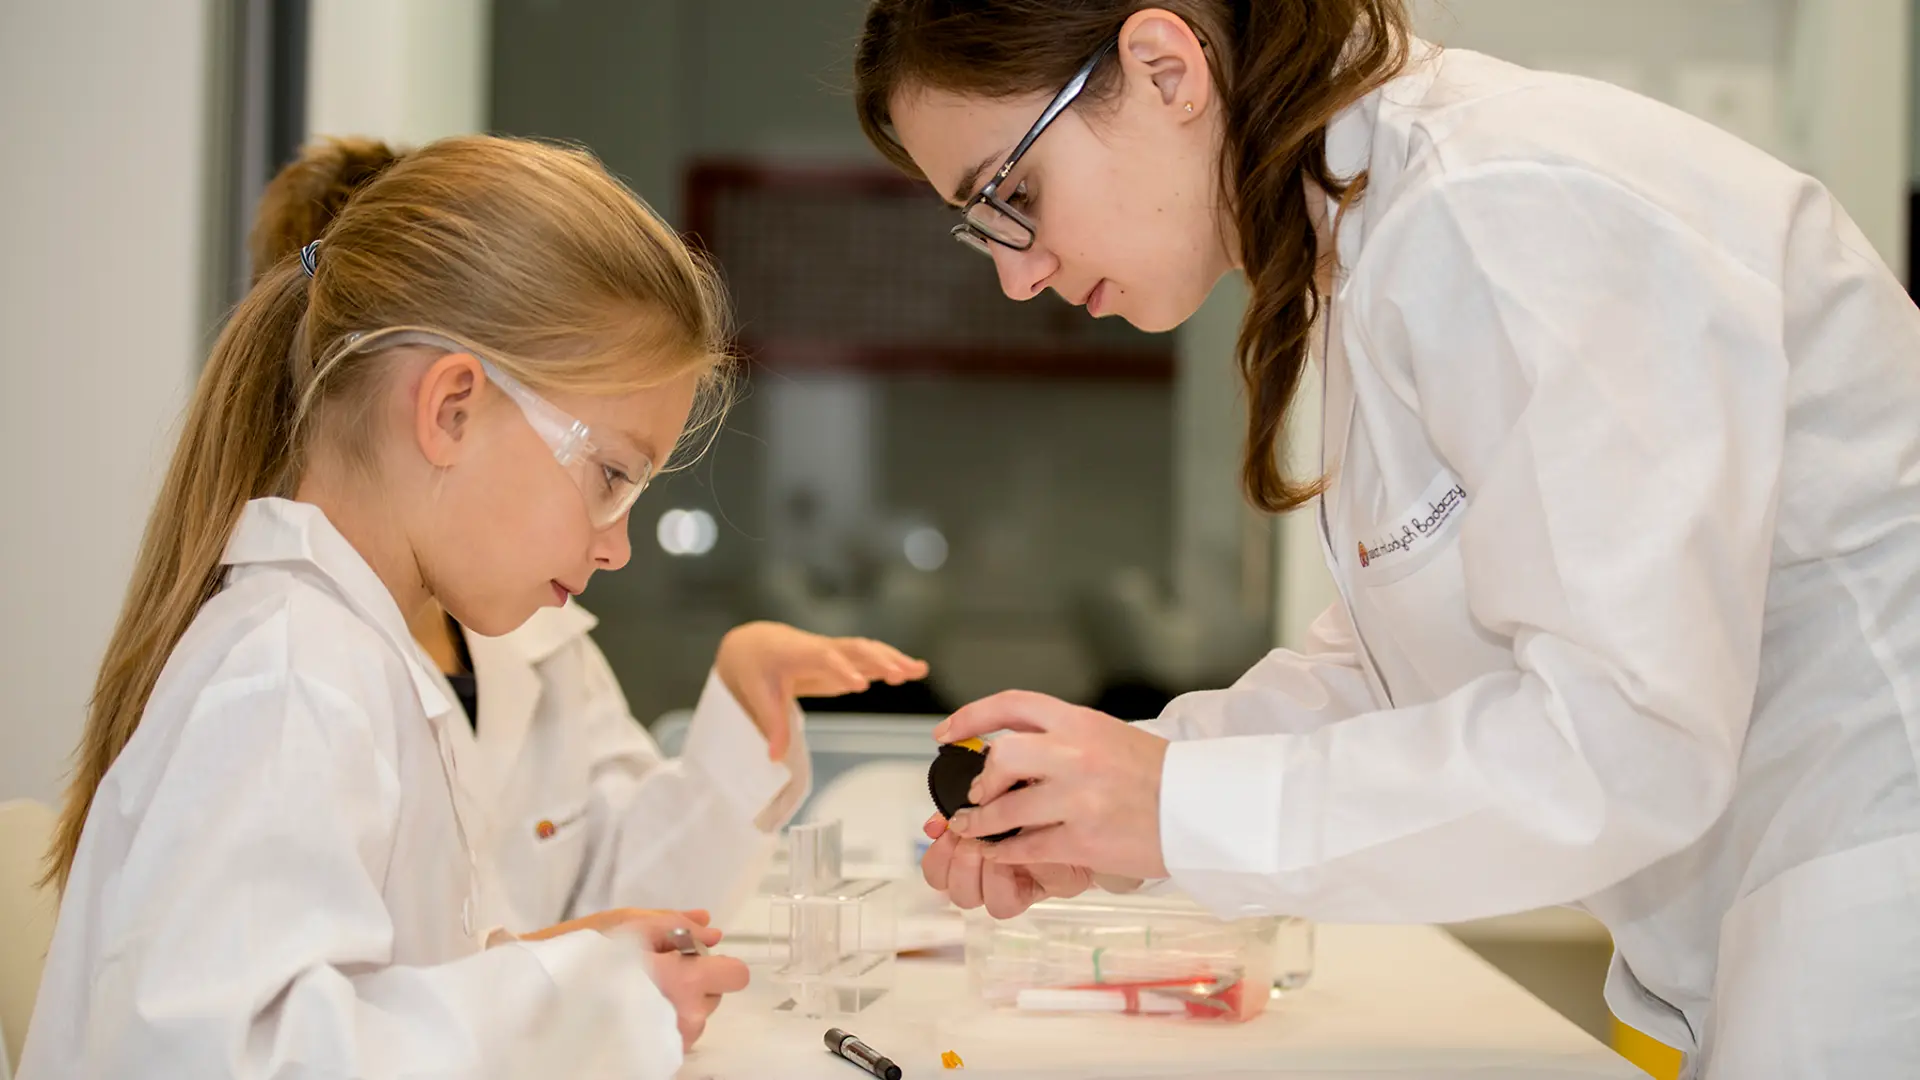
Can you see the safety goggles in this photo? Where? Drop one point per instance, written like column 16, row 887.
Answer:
column 609, row 481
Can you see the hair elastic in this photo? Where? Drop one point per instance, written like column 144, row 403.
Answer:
column 309, row 256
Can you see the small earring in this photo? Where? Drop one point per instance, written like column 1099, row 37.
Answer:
column 1189, row 106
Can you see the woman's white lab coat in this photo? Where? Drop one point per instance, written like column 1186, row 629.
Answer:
column 275, row 879
column 1624, row 422
column 584, row 815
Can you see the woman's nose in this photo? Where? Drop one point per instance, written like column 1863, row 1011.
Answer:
column 1023, row 273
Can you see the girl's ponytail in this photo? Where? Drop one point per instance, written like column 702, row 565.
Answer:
column 237, row 446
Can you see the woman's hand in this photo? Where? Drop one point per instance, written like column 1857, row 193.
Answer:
column 767, row 665
column 1092, row 794
column 963, row 870
column 692, row 984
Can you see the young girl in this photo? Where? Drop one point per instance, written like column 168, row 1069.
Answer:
column 582, row 813
column 453, row 395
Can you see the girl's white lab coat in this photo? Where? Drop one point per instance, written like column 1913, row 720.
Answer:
column 1624, row 420
column 584, row 815
column 276, row 879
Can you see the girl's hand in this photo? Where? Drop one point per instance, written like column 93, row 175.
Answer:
column 767, row 665
column 695, row 985
column 642, row 921
column 692, row 984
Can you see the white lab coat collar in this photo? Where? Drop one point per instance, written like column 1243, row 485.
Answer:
column 1357, row 142
column 280, row 531
column 1351, row 135
column 506, row 669
column 286, row 533
column 1349, row 153
column 547, row 632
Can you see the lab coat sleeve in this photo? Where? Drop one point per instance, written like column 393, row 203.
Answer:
column 1610, row 388
column 696, row 831
column 1287, row 691
column 246, row 934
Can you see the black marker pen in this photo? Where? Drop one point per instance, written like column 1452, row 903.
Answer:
column 861, row 1054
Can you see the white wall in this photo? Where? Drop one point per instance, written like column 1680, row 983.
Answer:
column 1823, row 84
column 1209, row 526
column 103, row 211
column 408, row 71
column 1847, row 99
column 1207, row 490
column 1913, row 93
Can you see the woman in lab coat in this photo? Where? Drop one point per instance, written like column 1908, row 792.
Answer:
column 582, row 813
column 1621, row 448
column 270, row 860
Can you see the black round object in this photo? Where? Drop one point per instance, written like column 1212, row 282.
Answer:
column 951, row 774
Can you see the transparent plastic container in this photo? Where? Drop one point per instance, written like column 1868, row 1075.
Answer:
column 1293, row 954
column 1153, row 955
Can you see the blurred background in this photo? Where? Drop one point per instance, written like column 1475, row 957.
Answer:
column 1023, row 497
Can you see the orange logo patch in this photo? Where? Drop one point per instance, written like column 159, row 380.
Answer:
column 544, row 830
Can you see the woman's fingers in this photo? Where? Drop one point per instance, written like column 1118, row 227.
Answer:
column 937, row 864
column 963, row 877
column 1005, row 893
column 1060, row 879
column 1013, row 710
column 1030, row 807
column 1023, row 758
column 1036, row 846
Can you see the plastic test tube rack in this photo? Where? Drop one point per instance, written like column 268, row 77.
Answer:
column 839, row 931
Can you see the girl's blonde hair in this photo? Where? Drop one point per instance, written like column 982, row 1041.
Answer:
column 569, row 281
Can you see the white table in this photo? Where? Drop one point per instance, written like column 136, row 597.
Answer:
column 1384, row 1002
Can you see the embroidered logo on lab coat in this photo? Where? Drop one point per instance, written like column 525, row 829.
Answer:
column 546, row 828
column 1414, row 530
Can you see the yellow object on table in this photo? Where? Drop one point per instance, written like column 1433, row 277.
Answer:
column 951, row 1060
column 1662, row 1062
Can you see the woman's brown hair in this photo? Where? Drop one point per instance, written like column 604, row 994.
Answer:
column 1283, row 69
column 531, row 250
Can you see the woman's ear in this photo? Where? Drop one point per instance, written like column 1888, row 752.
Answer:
column 443, row 408
column 1164, row 59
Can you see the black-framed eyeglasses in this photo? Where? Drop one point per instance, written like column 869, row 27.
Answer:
column 987, row 219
